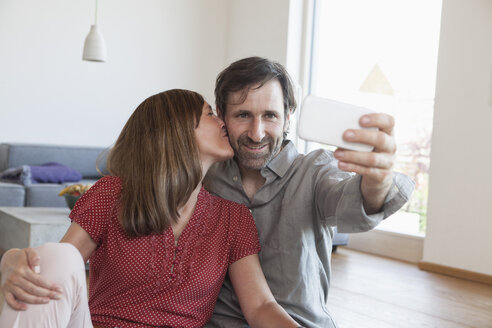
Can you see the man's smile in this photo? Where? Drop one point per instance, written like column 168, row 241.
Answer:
column 256, row 147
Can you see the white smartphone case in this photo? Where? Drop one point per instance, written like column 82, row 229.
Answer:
column 324, row 120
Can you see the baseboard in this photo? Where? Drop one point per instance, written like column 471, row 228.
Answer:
column 398, row 246
column 455, row 272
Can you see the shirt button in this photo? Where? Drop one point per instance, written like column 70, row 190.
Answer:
column 234, row 178
column 250, row 210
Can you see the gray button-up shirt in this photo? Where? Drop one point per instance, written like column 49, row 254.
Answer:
column 302, row 198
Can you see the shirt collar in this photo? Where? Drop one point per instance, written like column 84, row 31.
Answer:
column 284, row 159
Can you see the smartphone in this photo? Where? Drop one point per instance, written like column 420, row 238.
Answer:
column 324, row 121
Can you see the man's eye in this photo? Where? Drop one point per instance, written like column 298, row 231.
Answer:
column 242, row 115
column 270, row 116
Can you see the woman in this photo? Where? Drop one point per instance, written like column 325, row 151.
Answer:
column 159, row 244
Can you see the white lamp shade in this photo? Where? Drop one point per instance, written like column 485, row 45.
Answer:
column 95, row 46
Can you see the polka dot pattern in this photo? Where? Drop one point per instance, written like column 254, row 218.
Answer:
column 149, row 281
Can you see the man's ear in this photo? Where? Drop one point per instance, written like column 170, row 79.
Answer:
column 287, row 121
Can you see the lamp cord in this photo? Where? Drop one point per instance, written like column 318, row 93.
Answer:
column 95, row 18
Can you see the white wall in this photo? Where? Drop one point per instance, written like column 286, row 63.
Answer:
column 49, row 95
column 459, row 224
column 257, row 28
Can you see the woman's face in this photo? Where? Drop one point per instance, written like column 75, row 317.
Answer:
column 212, row 138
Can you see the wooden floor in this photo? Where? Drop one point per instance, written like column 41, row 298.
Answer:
column 369, row 291
column 375, row 292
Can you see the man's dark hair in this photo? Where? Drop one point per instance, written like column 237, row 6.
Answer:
column 252, row 72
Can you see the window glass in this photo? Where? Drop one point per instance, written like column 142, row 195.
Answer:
column 382, row 54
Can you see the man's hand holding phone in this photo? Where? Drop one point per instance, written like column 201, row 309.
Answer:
column 372, row 157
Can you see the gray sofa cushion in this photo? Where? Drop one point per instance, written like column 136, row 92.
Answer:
column 11, row 194
column 46, row 194
column 82, row 159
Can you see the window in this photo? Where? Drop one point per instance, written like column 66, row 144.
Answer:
column 382, row 54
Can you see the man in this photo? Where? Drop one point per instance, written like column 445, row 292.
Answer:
column 296, row 199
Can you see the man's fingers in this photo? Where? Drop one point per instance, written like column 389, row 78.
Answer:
column 366, row 159
column 376, row 165
column 381, row 141
column 383, row 122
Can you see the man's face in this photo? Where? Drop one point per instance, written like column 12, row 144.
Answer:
column 256, row 126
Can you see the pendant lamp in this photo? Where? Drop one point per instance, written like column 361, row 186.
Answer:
column 94, row 46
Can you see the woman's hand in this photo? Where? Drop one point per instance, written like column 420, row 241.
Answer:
column 21, row 282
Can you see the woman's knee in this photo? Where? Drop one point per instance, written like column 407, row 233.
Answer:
column 58, row 261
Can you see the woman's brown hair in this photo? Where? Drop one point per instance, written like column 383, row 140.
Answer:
column 156, row 157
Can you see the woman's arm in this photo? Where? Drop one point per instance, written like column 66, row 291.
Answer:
column 256, row 300
column 21, row 282
column 81, row 239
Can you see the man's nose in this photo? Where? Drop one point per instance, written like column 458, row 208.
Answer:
column 256, row 131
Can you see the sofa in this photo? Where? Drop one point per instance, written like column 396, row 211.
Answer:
column 81, row 159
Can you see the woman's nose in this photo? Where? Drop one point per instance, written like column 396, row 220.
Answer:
column 220, row 121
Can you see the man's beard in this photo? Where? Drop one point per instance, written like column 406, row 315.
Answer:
column 258, row 161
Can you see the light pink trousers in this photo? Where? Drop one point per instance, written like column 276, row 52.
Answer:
column 63, row 264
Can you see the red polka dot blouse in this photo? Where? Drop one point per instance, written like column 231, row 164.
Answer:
column 150, row 281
